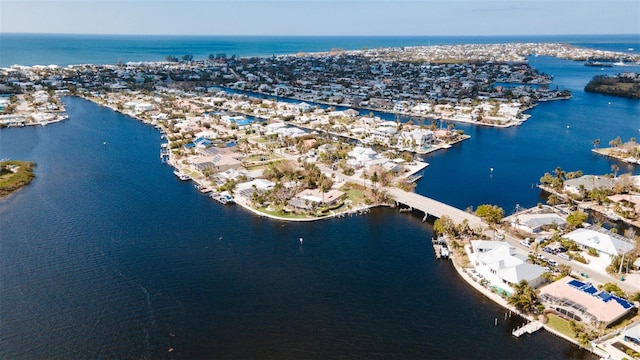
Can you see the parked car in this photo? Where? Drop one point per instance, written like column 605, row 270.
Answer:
column 525, row 243
column 564, row 256
column 547, row 249
column 552, row 262
column 500, row 236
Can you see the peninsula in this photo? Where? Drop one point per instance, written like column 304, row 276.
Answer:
column 626, row 84
column 15, row 174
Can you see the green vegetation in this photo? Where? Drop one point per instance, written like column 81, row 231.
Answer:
column 625, row 86
column 576, row 219
column 492, row 214
column 524, row 297
column 559, row 324
column 15, row 174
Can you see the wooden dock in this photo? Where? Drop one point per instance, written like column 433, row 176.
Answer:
column 529, row 328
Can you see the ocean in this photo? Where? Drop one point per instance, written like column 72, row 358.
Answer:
column 58, row 49
column 107, row 255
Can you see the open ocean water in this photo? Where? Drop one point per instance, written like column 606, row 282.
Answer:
column 107, row 255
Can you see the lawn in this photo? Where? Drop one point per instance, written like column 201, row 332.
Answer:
column 559, row 324
column 356, row 196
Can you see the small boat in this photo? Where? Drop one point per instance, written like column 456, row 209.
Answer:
column 182, row 176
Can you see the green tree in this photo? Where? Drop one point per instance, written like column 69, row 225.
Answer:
column 444, row 226
column 553, row 200
column 491, row 214
column 596, row 143
column 524, row 297
column 576, row 219
column 374, row 178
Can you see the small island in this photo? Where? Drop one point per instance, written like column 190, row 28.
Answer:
column 14, row 174
column 624, row 84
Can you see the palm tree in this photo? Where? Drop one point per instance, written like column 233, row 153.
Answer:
column 615, row 169
column 524, row 297
column 596, row 143
column 553, row 200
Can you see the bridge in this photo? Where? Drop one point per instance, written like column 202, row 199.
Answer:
column 434, row 207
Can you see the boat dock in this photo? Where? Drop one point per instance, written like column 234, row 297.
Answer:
column 529, row 328
column 223, row 198
column 440, row 248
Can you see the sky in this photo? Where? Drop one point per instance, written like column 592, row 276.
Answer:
column 321, row 17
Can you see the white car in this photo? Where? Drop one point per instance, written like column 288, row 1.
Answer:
column 525, row 243
column 564, row 256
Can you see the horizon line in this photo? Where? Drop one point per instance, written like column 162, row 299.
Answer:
column 320, row 35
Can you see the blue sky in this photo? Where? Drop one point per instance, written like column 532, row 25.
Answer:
column 321, row 17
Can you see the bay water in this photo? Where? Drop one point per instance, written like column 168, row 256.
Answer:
column 107, row 255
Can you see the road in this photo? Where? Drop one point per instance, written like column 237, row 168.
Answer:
column 595, row 276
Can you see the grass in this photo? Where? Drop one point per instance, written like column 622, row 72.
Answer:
column 356, row 196
column 560, row 325
column 10, row 181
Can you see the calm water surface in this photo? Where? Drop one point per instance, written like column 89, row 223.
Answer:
column 108, row 255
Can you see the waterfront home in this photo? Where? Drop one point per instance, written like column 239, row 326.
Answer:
column 502, row 267
column 601, row 240
column 218, row 162
column 384, row 134
column 587, row 183
column 234, row 174
column 417, row 138
column 583, row 302
column 247, row 188
column 309, row 199
column 535, row 223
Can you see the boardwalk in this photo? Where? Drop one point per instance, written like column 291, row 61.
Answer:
column 434, row 207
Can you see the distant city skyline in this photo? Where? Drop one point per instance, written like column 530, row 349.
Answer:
column 321, row 17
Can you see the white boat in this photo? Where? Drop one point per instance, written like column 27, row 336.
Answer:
column 182, row 176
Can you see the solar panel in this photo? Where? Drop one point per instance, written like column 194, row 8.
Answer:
column 605, row 296
column 590, row 289
column 576, row 283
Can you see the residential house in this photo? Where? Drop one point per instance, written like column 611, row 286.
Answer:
column 584, row 302
column 601, row 240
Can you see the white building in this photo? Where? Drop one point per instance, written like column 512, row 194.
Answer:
column 588, row 182
column 418, row 137
column 601, row 240
column 500, row 265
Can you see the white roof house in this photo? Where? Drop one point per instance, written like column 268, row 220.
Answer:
column 419, row 137
column 534, row 223
column 500, row 265
column 601, row 240
column 589, row 182
column 247, row 188
column 361, row 156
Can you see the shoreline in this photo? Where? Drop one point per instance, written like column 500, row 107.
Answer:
column 503, row 303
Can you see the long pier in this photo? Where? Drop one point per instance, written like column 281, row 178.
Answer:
column 434, row 208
